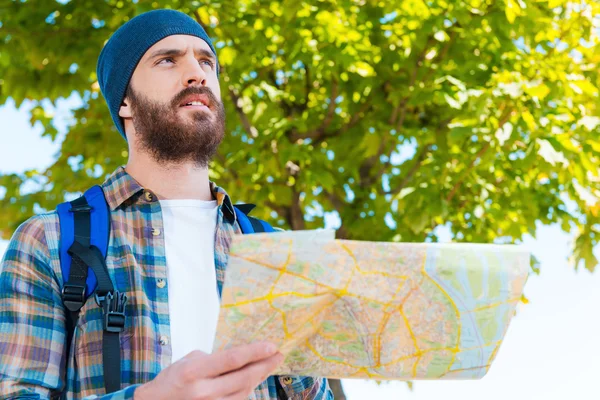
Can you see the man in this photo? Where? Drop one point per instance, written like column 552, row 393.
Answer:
column 170, row 233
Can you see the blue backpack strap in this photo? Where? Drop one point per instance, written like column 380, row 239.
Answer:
column 85, row 230
column 250, row 224
column 100, row 231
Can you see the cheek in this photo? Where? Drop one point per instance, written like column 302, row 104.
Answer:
column 215, row 88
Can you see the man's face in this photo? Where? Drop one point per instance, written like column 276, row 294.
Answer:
column 174, row 102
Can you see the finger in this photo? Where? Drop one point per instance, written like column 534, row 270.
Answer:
column 236, row 358
column 243, row 381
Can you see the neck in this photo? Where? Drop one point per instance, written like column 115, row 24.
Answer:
column 170, row 181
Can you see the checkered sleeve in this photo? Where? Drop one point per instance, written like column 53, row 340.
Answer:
column 124, row 394
column 32, row 320
column 305, row 388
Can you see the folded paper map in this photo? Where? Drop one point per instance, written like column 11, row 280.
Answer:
column 357, row 309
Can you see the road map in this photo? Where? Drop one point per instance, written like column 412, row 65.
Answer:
column 371, row 310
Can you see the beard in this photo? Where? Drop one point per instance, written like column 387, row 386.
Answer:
column 171, row 138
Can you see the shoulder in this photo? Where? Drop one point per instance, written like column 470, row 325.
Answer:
column 31, row 242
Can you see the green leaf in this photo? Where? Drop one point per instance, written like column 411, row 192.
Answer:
column 452, row 102
column 226, row 55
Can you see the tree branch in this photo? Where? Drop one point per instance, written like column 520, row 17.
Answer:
column 357, row 117
column 223, row 161
column 457, row 185
column 412, row 171
column 504, row 119
column 401, row 108
column 331, row 108
column 243, row 117
column 307, row 85
column 338, row 205
column 442, row 54
column 321, row 130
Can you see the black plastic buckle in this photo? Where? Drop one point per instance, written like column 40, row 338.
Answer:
column 73, row 296
column 113, row 310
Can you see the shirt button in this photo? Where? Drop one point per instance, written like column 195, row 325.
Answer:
column 148, row 195
column 161, row 283
column 287, row 380
column 164, row 340
column 155, row 232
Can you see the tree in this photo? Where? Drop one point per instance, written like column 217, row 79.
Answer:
column 395, row 117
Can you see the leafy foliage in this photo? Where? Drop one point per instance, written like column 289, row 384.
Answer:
column 398, row 117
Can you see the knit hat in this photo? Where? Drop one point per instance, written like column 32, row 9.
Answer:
column 125, row 48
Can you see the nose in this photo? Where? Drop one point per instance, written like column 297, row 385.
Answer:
column 193, row 74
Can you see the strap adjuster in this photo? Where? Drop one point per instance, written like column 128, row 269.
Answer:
column 81, row 208
column 113, row 310
column 73, row 296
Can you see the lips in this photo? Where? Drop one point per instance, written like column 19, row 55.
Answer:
column 195, row 100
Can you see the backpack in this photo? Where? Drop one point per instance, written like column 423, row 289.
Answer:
column 84, row 237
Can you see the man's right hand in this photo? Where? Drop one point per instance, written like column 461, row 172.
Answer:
column 229, row 375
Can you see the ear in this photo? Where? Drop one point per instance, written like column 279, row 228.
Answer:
column 125, row 110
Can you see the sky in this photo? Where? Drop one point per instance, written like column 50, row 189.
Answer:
column 552, row 347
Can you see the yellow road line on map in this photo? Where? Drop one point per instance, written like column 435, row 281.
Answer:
column 309, row 319
column 287, row 272
column 420, row 353
column 311, row 348
column 424, row 272
column 283, row 320
column 283, row 268
column 494, row 352
column 269, row 297
column 410, row 331
column 464, row 369
column 387, row 275
column 494, row 305
column 384, row 322
column 338, row 293
column 366, row 372
column 360, row 369
column 415, row 365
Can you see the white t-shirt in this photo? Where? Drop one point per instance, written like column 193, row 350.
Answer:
column 189, row 228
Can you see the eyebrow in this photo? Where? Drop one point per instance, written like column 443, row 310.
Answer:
column 179, row 52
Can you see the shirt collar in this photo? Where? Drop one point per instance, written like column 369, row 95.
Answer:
column 120, row 187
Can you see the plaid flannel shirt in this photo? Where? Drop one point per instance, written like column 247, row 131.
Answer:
column 32, row 316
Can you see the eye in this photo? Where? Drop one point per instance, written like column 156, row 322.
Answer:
column 166, row 59
column 207, row 62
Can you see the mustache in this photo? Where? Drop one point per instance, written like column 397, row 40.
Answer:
column 194, row 90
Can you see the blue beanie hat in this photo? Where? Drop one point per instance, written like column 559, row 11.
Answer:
column 127, row 45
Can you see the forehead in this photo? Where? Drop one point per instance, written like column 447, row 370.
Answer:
column 177, row 42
